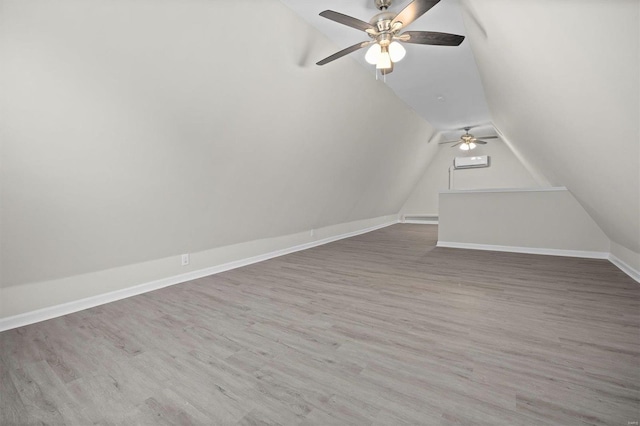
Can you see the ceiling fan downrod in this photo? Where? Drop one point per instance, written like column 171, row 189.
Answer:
column 383, row 4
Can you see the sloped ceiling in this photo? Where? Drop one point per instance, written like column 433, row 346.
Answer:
column 137, row 130
column 440, row 83
column 562, row 84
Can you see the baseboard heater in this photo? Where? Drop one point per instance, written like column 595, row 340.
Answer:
column 426, row 219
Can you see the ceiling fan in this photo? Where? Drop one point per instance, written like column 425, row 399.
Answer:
column 467, row 141
column 384, row 30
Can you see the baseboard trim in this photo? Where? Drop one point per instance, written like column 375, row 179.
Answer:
column 499, row 190
column 421, row 222
column 527, row 250
column 420, row 218
column 625, row 267
column 51, row 312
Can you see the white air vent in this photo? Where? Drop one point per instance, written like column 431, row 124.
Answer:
column 471, row 162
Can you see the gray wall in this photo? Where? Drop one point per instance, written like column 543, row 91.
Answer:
column 505, row 171
column 561, row 80
column 542, row 219
column 134, row 131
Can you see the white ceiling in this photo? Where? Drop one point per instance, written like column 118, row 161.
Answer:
column 440, row 83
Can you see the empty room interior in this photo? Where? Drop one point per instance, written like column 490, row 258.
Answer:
column 320, row 212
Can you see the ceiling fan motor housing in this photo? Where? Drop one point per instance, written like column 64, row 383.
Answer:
column 382, row 22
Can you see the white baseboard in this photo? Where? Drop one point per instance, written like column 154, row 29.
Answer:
column 90, row 302
column 624, row 267
column 527, row 250
column 421, row 222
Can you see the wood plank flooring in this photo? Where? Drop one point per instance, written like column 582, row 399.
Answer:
column 379, row 329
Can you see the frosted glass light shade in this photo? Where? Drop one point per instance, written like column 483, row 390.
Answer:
column 467, row 146
column 373, row 53
column 384, row 60
column 396, row 51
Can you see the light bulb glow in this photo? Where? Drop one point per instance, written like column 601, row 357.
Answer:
column 396, row 51
column 373, row 54
column 467, row 146
column 384, row 60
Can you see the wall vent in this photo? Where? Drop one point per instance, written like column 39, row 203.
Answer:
column 424, row 219
column 471, row 162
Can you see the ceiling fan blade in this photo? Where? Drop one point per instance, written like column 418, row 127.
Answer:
column 347, row 20
column 453, row 146
column 344, row 52
column 432, row 38
column 413, row 11
column 471, row 126
column 480, row 142
column 457, row 140
column 489, row 137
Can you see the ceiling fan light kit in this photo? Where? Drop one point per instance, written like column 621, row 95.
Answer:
column 396, row 51
column 373, row 54
column 383, row 57
column 384, row 60
column 384, row 30
column 468, row 146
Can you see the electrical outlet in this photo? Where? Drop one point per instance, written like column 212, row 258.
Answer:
column 185, row 259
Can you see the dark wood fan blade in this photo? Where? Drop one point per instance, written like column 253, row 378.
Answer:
column 457, row 140
column 489, row 137
column 347, row 20
column 413, row 11
column 480, row 142
column 431, row 37
column 344, row 52
column 453, row 146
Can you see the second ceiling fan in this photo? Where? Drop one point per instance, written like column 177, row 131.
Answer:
column 384, row 31
column 467, row 142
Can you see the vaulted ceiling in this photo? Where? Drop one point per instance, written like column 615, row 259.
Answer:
column 440, row 83
column 559, row 80
column 562, row 84
column 134, row 131
column 137, row 130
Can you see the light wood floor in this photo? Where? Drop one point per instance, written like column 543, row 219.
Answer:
column 382, row 329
